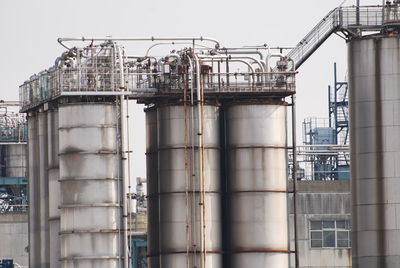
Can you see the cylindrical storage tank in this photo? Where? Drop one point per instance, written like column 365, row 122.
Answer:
column 54, row 187
column 34, row 192
column 180, row 210
column 374, row 77
column 256, row 137
column 90, row 234
column 153, row 250
column 44, row 190
column 15, row 160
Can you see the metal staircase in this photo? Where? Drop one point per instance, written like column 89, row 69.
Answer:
column 352, row 21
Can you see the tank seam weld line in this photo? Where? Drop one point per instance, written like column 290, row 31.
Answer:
column 184, row 192
column 86, row 179
column 88, row 205
column 222, row 252
column 259, row 191
column 87, row 153
column 89, row 126
column 89, row 231
column 90, row 258
column 258, row 147
column 183, row 147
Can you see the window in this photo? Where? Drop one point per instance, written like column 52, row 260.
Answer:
column 330, row 234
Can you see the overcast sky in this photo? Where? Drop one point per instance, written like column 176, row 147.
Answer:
column 29, row 30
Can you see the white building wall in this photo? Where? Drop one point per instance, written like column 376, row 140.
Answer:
column 320, row 200
column 14, row 237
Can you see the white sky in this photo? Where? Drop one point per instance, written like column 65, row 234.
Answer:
column 29, row 30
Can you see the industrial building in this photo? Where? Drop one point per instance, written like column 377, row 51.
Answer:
column 13, row 185
column 218, row 150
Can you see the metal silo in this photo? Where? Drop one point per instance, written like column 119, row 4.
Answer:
column 43, row 190
column 257, row 185
column 33, row 191
column 185, row 223
column 153, row 251
column 54, row 187
column 91, row 234
column 15, row 159
column 374, row 77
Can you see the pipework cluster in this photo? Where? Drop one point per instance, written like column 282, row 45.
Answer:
column 106, row 69
column 12, row 126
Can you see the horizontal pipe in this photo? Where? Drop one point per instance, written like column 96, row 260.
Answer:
column 95, row 93
column 152, row 39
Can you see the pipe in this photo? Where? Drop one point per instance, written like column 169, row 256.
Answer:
column 192, row 145
column 173, row 43
column 244, row 52
column 124, row 158
column 294, row 175
column 242, row 61
column 230, row 57
column 269, row 56
column 121, row 68
column 200, row 141
column 152, row 39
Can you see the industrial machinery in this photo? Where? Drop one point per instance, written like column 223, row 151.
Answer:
column 325, row 154
column 216, row 148
column 202, row 101
column 13, row 177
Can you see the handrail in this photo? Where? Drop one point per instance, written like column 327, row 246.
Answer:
column 370, row 18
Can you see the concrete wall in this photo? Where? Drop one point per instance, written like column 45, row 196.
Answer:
column 320, row 200
column 14, row 237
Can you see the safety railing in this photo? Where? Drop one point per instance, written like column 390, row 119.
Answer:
column 13, row 128
column 315, row 38
column 367, row 18
column 93, row 81
column 321, row 162
column 6, row 207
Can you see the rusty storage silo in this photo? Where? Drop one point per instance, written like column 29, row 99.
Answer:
column 153, row 250
column 374, row 77
column 190, row 231
column 257, row 184
column 90, row 184
column 54, row 187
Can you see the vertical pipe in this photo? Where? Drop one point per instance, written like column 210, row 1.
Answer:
column 329, row 107
column 335, row 106
column 294, row 178
column 124, row 177
column 358, row 12
column 200, row 159
column 44, row 190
